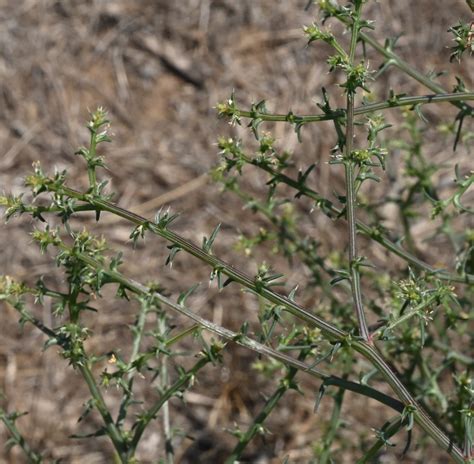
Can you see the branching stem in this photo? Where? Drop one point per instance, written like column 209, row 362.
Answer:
column 351, row 200
column 441, row 97
column 331, row 332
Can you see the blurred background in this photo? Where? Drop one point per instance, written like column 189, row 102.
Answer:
column 159, row 68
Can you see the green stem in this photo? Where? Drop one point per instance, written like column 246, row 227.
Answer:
column 162, row 328
column 351, row 200
column 18, row 439
column 329, row 330
column 91, row 161
column 408, row 315
column 183, row 334
column 138, row 335
column 112, row 431
column 394, row 59
column 420, row 416
column 151, row 413
column 333, row 427
column 441, row 97
column 322, row 202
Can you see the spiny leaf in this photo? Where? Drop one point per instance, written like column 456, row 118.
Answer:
column 303, row 176
column 292, row 294
column 207, row 242
column 88, row 407
column 174, row 251
column 322, row 391
column 98, row 433
column 163, row 218
column 184, row 295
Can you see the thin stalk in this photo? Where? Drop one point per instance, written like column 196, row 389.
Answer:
column 181, row 335
column 351, row 200
column 440, row 97
column 334, row 425
column 419, row 415
column 112, row 430
column 401, row 64
column 329, row 330
column 138, row 331
column 166, row 406
column 138, row 335
column 430, row 377
column 150, row 414
column 322, row 202
column 405, row 317
column 166, row 414
column 468, row 445
column 90, row 162
column 18, row 439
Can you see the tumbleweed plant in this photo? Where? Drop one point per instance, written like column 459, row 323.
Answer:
column 397, row 332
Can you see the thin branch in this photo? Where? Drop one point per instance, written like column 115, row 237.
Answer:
column 18, row 439
column 397, row 102
column 401, row 64
column 351, row 196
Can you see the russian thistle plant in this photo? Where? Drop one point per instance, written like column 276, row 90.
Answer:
column 405, row 325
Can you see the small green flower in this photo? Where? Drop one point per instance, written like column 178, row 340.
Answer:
column 357, row 76
column 229, row 109
column 463, row 36
column 14, row 205
column 410, row 291
column 314, row 33
column 10, row 287
column 46, row 237
column 360, row 156
column 98, row 119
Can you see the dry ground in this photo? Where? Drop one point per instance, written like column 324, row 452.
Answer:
column 159, row 67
